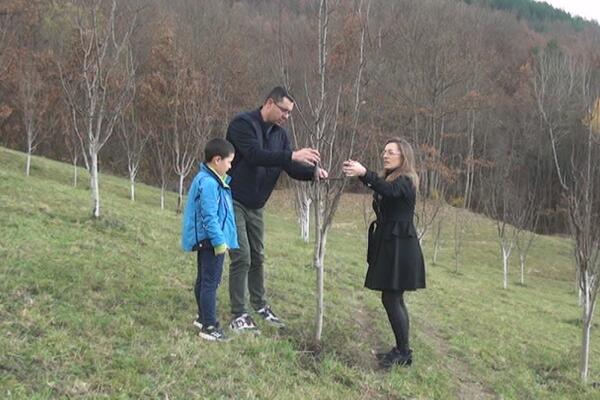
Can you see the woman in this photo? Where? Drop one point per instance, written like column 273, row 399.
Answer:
column 394, row 254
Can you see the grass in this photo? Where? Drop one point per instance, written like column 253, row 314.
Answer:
column 103, row 308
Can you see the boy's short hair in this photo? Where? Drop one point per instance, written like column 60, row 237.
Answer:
column 217, row 147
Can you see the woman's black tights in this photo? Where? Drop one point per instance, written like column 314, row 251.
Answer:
column 398, row 316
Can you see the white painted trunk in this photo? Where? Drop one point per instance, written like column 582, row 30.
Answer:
column 304, row 221
column 132, row 186
column 180, row 198
column 578, row 286
column 319, row 261
column 162, row 198
column 587, row 327
column 28, row 163
column 94, row 184
column 505, row 256
column 302, row 203
column 75, row 172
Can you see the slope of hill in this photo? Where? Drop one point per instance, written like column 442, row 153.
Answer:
column 103, row 308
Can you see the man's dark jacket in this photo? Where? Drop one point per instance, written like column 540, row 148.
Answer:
column 262, row 151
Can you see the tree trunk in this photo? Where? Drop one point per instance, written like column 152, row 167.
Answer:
column 132, row 185
column 319, row 261
column 162, row 197
column 304, row 220
column 505, row 256
column 457, row 239
column 522, row 260
column 437, row 241
column 94, row 184
column 180, row 196
column 28, row 164
column 578, row 286
column 303, row 212
column 456, row 254
column 470, row 156
column 587, row 327
column 75, row 172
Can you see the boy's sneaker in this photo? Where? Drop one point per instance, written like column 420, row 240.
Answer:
column 270, row 317
column 197, row 323
column 213, row 333
column 243, row 323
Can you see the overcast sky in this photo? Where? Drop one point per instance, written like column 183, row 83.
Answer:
column 588, row 9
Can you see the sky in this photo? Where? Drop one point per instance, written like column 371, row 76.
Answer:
column 588, row 9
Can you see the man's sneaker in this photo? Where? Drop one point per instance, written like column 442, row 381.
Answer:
column 197, row 323
column 270, row 317
column 213, row 334
column 243, row 323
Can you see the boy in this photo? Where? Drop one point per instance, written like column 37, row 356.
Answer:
column 209, row 229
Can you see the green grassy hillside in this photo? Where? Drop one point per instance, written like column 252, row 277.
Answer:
column 103, row 308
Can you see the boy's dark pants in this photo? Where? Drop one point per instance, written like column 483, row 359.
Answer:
column 210, row 269
column 246, row 271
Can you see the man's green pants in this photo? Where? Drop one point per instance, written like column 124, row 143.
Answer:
column 246, row 269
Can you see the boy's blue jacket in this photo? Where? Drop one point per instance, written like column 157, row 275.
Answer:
column 209, row 212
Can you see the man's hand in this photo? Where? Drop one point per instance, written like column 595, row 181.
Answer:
column 307, row 156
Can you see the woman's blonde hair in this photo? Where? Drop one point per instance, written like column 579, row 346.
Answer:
column 407, row 163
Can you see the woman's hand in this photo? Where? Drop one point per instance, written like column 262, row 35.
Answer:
column 353, row 168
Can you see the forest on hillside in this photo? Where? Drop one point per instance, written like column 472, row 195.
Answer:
column 499, row 97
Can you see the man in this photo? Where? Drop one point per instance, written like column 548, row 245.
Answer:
column 262, row 151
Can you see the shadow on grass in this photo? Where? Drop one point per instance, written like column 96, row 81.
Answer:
column 577, row 322
column 553, row 374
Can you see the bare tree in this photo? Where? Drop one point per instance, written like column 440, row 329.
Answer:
column 500, row 190
column 73, row 146
column 333, row 131
column 134, row 139
column 428, row 210
column 460, row 221
column 6, row 25
column 526, row 213
column 33, row 101
column 301, row 139
column 161, row 165
column 99, row 85
column 566, row 88
column 437, row 235
column 156, row 89
column 191, row 123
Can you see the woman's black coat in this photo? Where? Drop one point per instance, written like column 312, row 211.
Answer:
column 394, row 253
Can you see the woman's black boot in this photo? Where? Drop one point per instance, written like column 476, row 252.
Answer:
column 395, row 357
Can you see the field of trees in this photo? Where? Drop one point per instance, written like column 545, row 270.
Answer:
column 102, row 308
column 501, row 99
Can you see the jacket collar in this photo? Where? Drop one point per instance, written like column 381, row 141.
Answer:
column 266, row 126
column 223, row 181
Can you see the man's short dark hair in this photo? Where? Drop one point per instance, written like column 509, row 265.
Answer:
column 217, row 147
column 278, row 93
